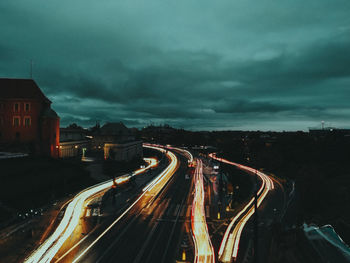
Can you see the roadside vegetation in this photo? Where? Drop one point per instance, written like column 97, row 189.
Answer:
column 319, row 166
column 318, row 163
column 33, row 182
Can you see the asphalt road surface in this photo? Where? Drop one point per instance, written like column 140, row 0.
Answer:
column 152, row 230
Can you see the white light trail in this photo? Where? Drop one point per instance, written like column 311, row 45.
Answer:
column 230, row 243
column 204, row 251
column 70, row 220
column 185, row 152
column 160, row 181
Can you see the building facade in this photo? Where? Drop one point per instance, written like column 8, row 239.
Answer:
column 70, row 149
column 27, row 122
column 111, row 132
column 117, row 142
column 123, row 152
column 74, row 142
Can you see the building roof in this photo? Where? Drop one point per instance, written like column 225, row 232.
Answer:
column 73, row 130
column 114, row 128
column 50, row 113
column 21, row 89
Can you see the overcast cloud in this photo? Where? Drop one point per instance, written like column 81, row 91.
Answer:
column 268, row 65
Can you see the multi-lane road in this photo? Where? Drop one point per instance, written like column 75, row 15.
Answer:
column 204, row 251
column 162, row 221
column 151, row 230
column 149, row 226
column 271, row 200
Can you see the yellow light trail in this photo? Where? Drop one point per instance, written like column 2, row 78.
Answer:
column 230, row 243
column 204, row 252
column 70, row 220
column 154, row 188
column 185, row 152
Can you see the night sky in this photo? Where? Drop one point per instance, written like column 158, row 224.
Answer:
column 200, row 65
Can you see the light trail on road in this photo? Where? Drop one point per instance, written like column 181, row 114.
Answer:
column 188, row 155
column 154, row 187
column 185, row 152
column 230, row 243
column 204, row 252
column 70, row 220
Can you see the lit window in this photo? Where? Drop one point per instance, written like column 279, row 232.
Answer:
column 16, row 121
column 27, row 106
column 27, row 121
column 16, row 107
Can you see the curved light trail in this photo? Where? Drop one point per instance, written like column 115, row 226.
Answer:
column 185, row 152
column 189, row 155
column 154, row 187
column 204, row 251
column 230, row 243
column 70, row 220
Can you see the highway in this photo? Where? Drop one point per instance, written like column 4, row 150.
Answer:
column 151, row 224
column 92, row 213
column 150, row 229
column 230, row 244
column 204, row 252
column 71, row 218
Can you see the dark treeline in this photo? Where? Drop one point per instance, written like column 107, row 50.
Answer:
column 318, row 163
column 33, row 182
column 321, row 169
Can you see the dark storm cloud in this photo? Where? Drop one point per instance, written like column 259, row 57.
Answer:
column 251, row 106
column 319, row 61
column 234, row 64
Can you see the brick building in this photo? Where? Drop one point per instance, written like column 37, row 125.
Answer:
column 27, row 122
